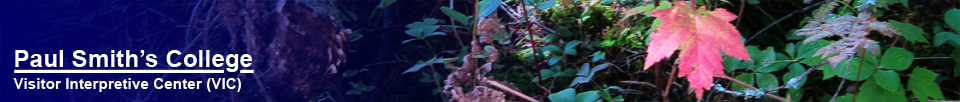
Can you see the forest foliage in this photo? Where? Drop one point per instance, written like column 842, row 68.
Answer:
column 624, row 50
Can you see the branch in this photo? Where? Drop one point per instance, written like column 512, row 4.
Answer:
column 755, row 88
column 514, row 92
column 781, row 19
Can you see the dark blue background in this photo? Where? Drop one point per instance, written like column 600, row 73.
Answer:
column 44, row 27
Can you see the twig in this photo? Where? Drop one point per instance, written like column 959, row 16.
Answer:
column 511, row 91
column 932, row 58
column 640, row 83
column 781, row 19
column 455, row 34
column 859, row 69
column 380, row 63
column 434, row 75
column 754, row 88
column 536, row 63
column 843, row 81
column 673, row 72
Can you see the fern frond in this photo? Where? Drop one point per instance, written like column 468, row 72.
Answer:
column 852, row 29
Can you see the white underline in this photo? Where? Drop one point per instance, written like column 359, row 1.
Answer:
column 122, row 71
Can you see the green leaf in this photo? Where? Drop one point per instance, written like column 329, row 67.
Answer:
column 354, row 92
column 956, row 57
column 582, row 75
column 951, row 19
column 792, row 50
column 566, row 73
column 589, row 96
column 487, row 7
column 544, row 74
column 853, row 69
column 546, row 4
column 755, row 53
column 813, row 61
column 845, row 98
column 730, row 63
column 599, row 55
column 605, row 94
column 551, row 48
column 572, row 44
column 428, row 31
column 420, row 64
column 896, row 58
column 664, row 5
column 775, row 65
column 906, row 3
column 795, row 94
column 763, row 58
column 746, row 78
column 870, row 91
column 415, row 32
column 943, row 37
column 753, row 1
column 768, row 57
column 850, row 73
column 598, row 68
column 569, row 47
column 795, row 70
column 909, row 31
column 457, row 16
column 426, row 22
column 792, row 33
column 567, row 95
column 586, row 73
column 922, row 85
column 807, row 50
column 571, row 51
column 767, row 81
column 550, row 38
column 554, row 59
column 888, row 80
column 746, row 64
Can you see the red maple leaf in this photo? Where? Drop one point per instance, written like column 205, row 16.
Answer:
column 700, row 33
